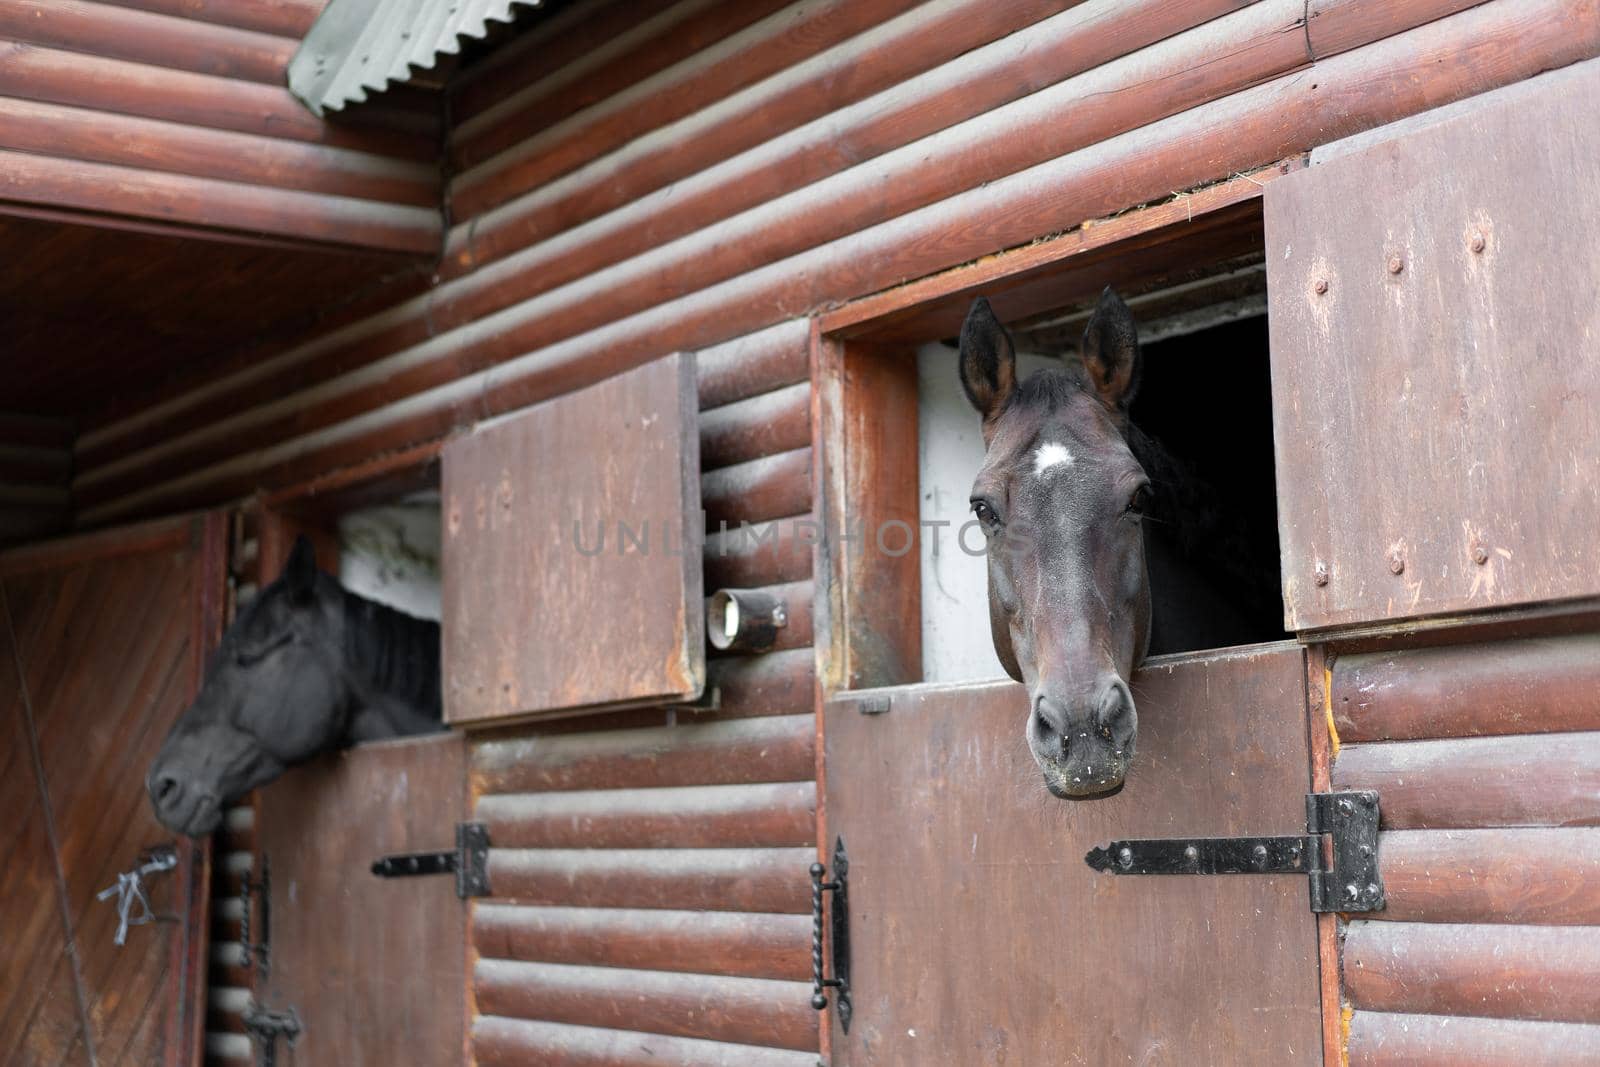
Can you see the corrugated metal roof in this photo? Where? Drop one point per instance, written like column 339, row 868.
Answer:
column 361, row 46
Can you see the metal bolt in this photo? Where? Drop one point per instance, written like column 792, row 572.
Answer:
column 1480, row 554
column 1396, row 264
column 1125, row 857
column 1261, row 855
column 1352, row 891
column 1372, row 889
column 1366, row 850
column 1319, row 573
column 1346, row 807
column 1397, row 562
column 1191, row 854
column 1320, row 287
column 1477, row 244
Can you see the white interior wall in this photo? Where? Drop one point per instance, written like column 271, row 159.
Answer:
column 956, row 646
column 390, row 554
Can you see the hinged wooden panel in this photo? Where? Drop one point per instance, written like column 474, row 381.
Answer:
column 571, row 552
column 372, row 967
column 978, row 934
column 1435, row 383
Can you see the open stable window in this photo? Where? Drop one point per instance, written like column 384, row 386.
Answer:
column 572, row 573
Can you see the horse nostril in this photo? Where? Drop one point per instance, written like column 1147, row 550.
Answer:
column 167, row 788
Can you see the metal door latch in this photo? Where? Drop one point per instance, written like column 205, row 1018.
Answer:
column 266, row 1027
column 839, row 927
column 468, row 861
column 1351, row 883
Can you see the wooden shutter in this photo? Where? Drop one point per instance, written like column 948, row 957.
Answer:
column 571, row 555
column 1435, row 333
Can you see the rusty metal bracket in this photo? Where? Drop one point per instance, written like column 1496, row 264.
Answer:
column 468, row 861
column 1351, row 883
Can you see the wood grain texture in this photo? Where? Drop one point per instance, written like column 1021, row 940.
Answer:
column 725, row 943
column 699, row 816
column 1462, row 528
column 1379, row 1040
column 774, row 749
column 940, row 791
column 1503, row 972
column 757, row 490
column 551, row 493
column 1355, row 90
column 374, row 967
column 750, row 1011
column 723, row 879
column 1525, row 686
column 761, row 425
column 1530, row 876
column 499, row 1042
column 1479, row 782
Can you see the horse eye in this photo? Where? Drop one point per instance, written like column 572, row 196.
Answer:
column 985, row 513
column 1139, row 502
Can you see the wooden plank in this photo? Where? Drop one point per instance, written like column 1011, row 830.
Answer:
column 59, row 77
column 1480, row 782
column 85, row 186
column 941, row 791
column 1460, row 529
column 625, row 622
column 700, row 80
column 751, row 1011
column 1319, row 738
column 147, row 144
column 1504, row 972
column 1533, row 685
column 335, row 927
column 761, row 425
column 1537, row 876
column 754, row 364
column 286, row 18
column 775, row 749
column 700, row 816
column 720, row 879
column 868, row 408
column 498, row 1042
column 881, row 89
column 1334, row 26
column 725, row 943
column 757, row 490
column 654, row 41
column 764, row 553
column 774, row 683
column 1357, row 90
column 142, row 37
column 1378, row 1040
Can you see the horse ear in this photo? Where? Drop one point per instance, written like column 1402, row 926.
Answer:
column 1111, row 351
column 300, row 573
column 988, row 360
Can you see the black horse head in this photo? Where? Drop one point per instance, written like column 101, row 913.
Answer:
column 306, row 667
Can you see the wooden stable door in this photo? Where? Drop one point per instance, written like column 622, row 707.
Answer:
column 979, row 935
column 102, row 644
column 363, row 969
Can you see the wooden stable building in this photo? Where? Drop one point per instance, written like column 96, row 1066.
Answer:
column 678, row 263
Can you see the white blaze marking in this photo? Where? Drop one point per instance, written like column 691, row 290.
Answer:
column 1051, row 455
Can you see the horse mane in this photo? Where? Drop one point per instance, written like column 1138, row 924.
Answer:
column 397, row 653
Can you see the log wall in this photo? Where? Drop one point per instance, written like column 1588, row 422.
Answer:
column 178, row 113
column 1485, row 757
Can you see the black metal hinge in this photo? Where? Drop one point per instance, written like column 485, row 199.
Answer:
column 468, row 861
column 266, row 1026
column 1350, row 883
column 839, row 927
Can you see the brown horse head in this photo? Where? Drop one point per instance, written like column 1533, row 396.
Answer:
column 1061, row 498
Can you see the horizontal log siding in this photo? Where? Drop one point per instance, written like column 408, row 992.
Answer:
column 583, row 296
column 177, row 113
column 649, row 868
column 1487, row 763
